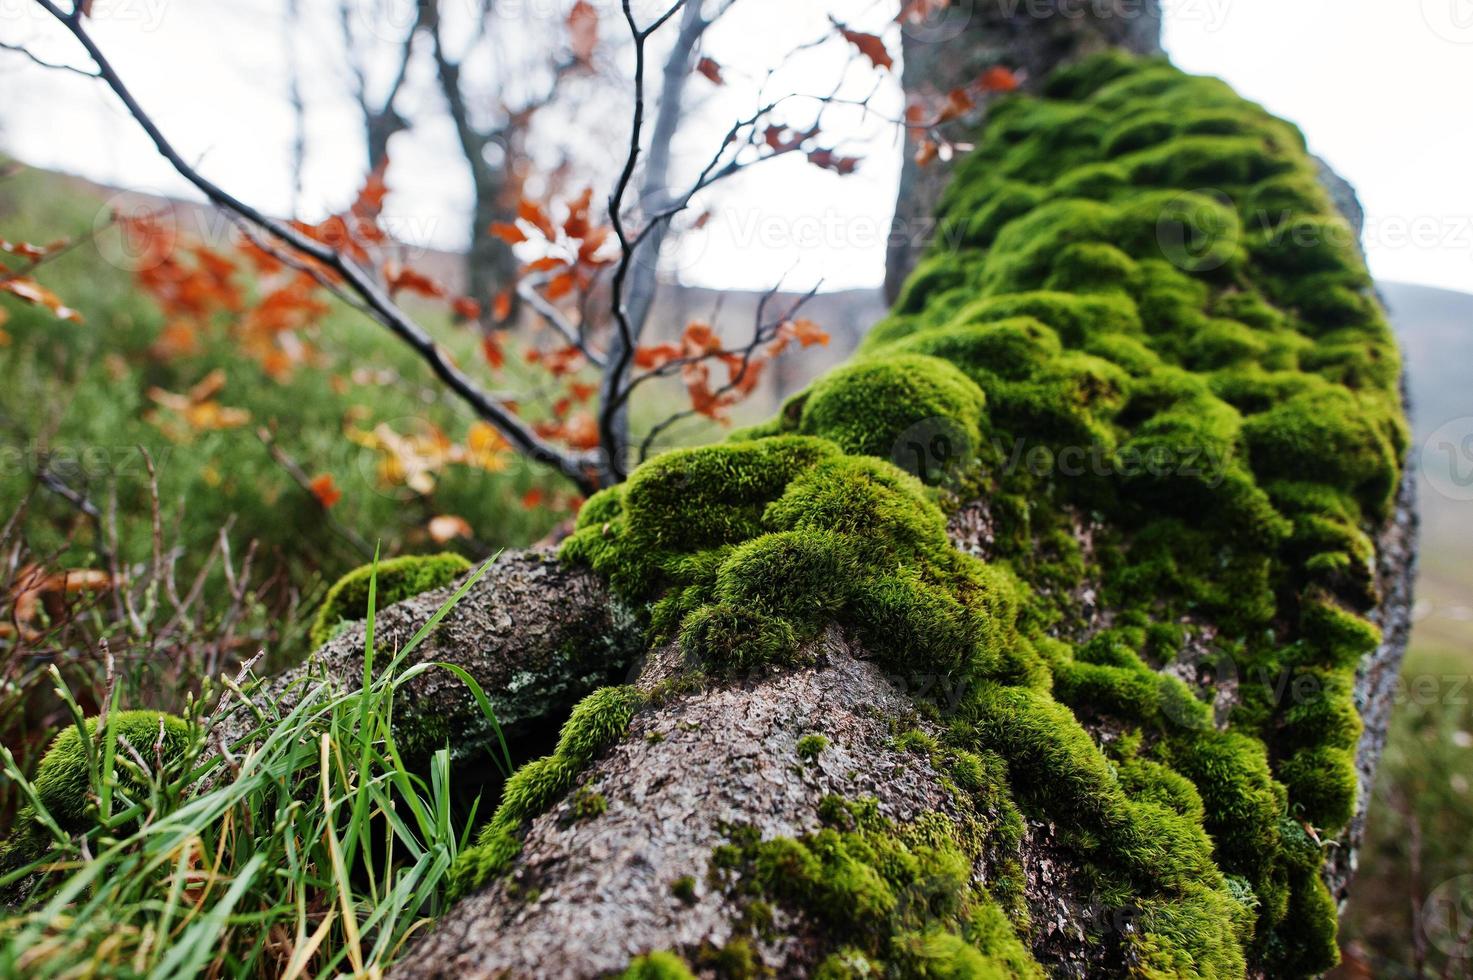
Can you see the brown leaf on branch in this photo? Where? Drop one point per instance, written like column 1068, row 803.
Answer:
column 30, row 252
column 708, row 68
column 31, row 291
column 576, row 224
column 401, row 278
column 508, row 232
column 869, row 45
column 532, row 213
column 958, row 103
column 805, row 331
column 829, row 160
column 652, row 356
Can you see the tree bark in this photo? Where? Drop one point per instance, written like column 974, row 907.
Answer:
column 952, row 47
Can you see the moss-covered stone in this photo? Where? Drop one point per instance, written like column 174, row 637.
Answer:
column 397, row 579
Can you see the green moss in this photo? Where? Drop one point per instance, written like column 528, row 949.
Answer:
column 66, row 779
column 397, row 580
column 811, row 746
column 588, row 805
column 684, row 888
column 598, row 721
column 868, row 406
column 659, row 965
column 1199, row 384
column 895, row 898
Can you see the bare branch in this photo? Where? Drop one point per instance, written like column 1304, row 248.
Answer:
column 576, row 467
column 21, row 49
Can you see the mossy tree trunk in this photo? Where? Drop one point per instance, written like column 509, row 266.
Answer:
column 1053, row 635
column 950, row 46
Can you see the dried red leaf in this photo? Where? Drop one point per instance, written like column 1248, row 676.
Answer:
column 708, row 68
column 869, row 45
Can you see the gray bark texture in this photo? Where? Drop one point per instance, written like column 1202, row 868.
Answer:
column 952, row 47
column 537, row 635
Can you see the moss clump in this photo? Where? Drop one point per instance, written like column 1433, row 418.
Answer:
column 1202, row 377
column 810, row 747
column 588, row 804
column 66, row 778
column 684, row 888
column 895, row 898
column 397, row 580
column 659, row 965
column 598, row 721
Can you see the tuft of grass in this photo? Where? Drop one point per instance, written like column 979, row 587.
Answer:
column 307, row 849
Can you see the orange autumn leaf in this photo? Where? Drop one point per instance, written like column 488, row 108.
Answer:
column 466, row 308
column 545, row 264
column 829, row 160
column 998, row 79
column 869, row 45
column 580, row 431
column 36, row 294
column 592, row 242
column 532, row 498
column 653, row 356
column 508, row 232
column 925, row 152
column 401, row 278
column 576, row 224
column 492, row 352
column 958, row 104
column 325, row 490
column 501, row 306
column 560, row 285
column 805, row 331
column 531, row 212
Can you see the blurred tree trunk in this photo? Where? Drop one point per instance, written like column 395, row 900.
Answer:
column 953, row 45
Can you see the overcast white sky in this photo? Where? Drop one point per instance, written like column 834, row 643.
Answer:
column 1382, row 89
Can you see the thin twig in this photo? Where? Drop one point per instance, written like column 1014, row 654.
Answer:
column 521, row 435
